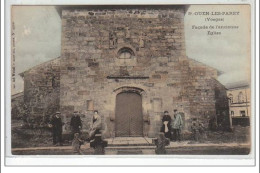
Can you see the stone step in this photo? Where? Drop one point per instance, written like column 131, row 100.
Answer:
column 129, row 150
column 130, row 141
column 127, row 144
column 131, row 147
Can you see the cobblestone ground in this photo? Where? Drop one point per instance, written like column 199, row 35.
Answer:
column 235, row 150
column 180, row 150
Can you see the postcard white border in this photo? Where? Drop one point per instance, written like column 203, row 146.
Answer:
column 175, row 160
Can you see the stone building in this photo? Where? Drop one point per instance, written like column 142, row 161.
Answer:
column 130, row 64
column 239, row 102
column 42, row 89
column 17, row 104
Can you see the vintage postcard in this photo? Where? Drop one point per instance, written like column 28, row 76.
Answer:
column 131, row 80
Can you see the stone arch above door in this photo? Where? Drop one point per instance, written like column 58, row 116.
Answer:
column 129, row 89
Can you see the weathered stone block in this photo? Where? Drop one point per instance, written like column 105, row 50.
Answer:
column 93, row 64
column 71, row 68
column 83, row 92
column 156, row 76
column 149, row 84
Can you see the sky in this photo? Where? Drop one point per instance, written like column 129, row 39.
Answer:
column 38, row 39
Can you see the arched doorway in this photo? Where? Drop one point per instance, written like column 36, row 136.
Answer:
column 128, row 114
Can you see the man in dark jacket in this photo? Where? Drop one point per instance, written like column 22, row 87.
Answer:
column 56, row 124
column 166, row 127
column 75, row 123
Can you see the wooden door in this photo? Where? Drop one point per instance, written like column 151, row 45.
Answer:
column 129, row 118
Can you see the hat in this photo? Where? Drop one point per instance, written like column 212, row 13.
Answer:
column 175, row 110
column 166, row 112
column 75, row 111
column 57, row 112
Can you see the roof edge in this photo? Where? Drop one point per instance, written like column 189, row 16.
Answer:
column 22, row 73
column 59, row 8
column 239, row 84
column 219, row 72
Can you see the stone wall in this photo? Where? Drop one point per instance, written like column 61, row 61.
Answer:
column 42, row 89
column 107, row 50
column 17, row 105
column 207, row 96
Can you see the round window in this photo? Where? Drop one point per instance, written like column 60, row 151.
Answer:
column 125, row 53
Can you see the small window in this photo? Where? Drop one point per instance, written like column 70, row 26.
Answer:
column 232, row 113
column 240, row 97
column 125, row 53
column 243, row 113
column 53, row 82
column 90, row 105
column 230, row 96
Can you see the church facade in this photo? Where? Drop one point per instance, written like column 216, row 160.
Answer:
column 130, row 64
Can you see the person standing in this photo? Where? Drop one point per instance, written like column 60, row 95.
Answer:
column 75, row 123
column 213, row 123
column 202, row 132
column 195, row 131
column 56, row 124
column 177, row 125
column 166, row 127
column 96, row 125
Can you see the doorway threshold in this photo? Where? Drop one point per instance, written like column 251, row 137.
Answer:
column 130, row 141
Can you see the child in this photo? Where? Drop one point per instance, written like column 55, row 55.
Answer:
column 195, row 131
column 76, row 143
column 203, row 135
column 160, row 143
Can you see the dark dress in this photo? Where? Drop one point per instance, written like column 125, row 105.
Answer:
column 166, row 118
column 56, row 129
column 75, row 122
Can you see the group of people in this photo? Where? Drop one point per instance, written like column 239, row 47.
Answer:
column 172, row 127
column 198, row 131
column 76, row 127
